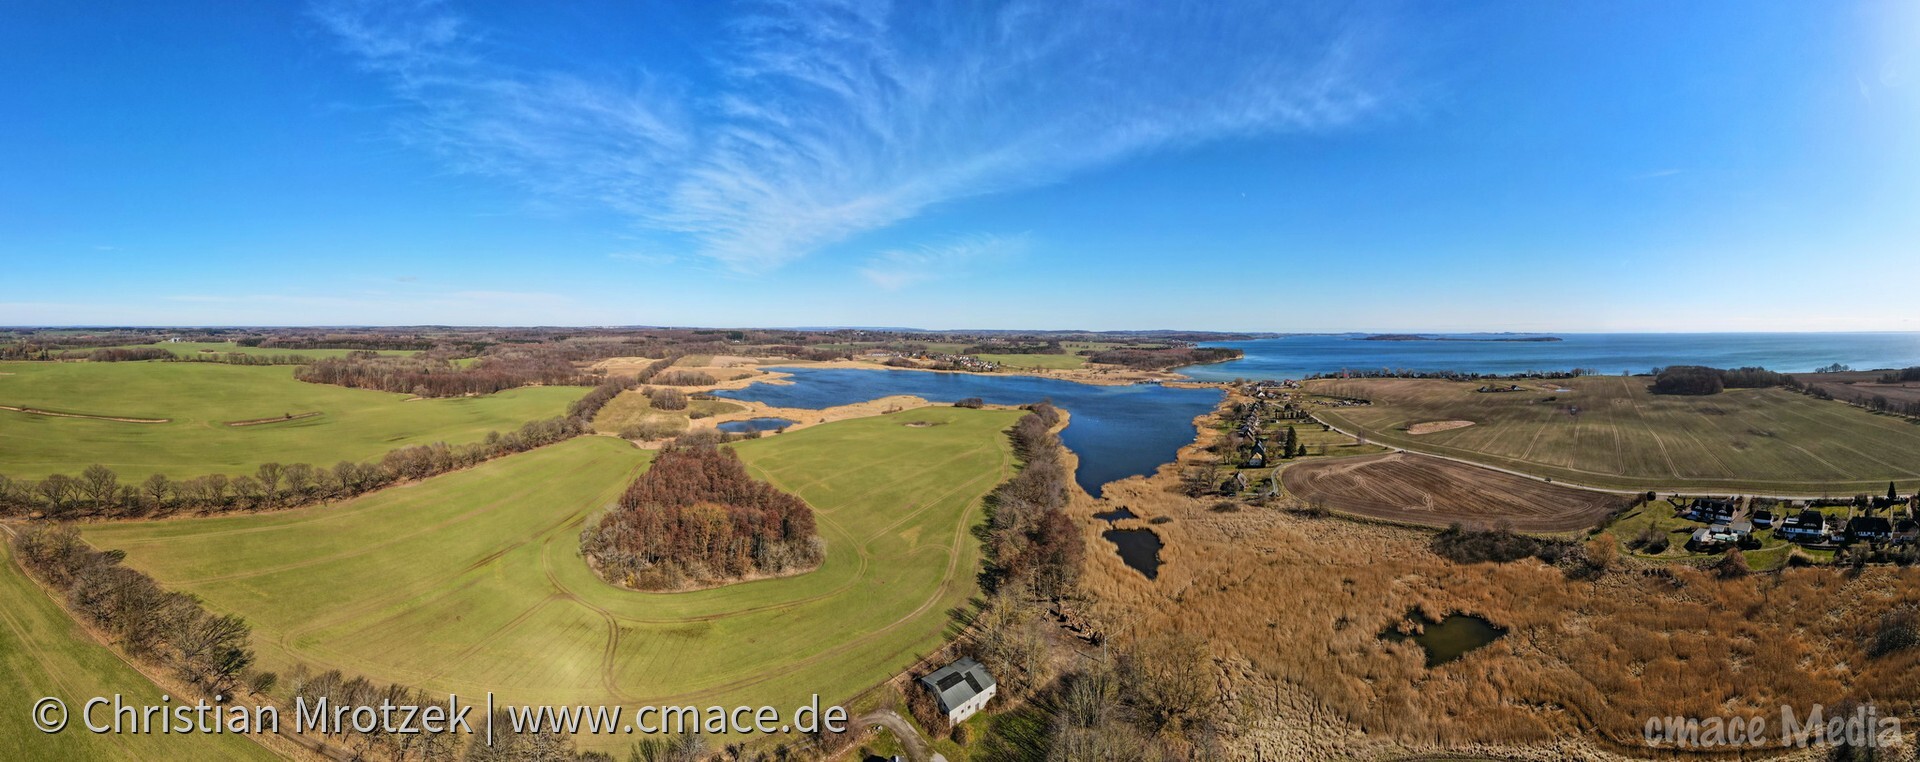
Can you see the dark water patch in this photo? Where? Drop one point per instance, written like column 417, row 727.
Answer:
column 1117, row 431
column 754, row 424
column 1138, row 548
column 1449, row 638
column 1116, row 514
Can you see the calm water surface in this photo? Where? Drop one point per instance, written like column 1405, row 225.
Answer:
column 1609, row 353
column 1118, row 431
column 1138, row 548
column 1450, row 638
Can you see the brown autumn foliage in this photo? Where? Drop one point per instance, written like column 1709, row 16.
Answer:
column 696, row 518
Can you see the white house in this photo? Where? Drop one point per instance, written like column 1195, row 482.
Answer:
column 962, row 688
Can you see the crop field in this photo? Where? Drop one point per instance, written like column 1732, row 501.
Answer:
column 194, row 403
column 215, row 348
column 43, row 653
column 1611, row 432
column 472, row 581
column 1437, row 492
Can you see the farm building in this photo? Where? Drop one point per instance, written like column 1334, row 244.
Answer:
column 962, row 688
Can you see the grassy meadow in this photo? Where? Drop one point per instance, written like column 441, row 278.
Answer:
column 198, row 400
column 43, row 653
column 472, row 581
column 1765, row 441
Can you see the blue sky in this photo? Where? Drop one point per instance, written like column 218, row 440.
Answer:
column 1573, row 166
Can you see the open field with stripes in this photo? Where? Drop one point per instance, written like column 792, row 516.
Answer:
column 190, row 419
column 1611, row 432
column 472, row 581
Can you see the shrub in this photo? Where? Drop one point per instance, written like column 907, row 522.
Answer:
column 971, row 402
column 667, row 399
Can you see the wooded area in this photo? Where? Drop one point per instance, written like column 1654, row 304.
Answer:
column 696, row 518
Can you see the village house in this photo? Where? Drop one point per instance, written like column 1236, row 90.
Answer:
column 1869, row 529
column 1808, row 527
column 961, row 688
column 1712, row 510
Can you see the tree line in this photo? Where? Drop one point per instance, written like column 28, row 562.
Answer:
column 695, row 517
column 436, row 375
column 1697, row 380
column 166, row 628
column 1032, row 545
column 1161, row 359
column 98, row 491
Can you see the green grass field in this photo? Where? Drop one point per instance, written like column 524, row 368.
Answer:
column 200, row 398
column 1049, row 362
column 1764, row 441
column 43, row 653
column 472, row 581
column 206, row 348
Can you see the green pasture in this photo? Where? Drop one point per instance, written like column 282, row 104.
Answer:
column 198, row 400
column 472, row 581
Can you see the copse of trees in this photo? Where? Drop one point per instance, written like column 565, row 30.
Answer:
column 98, row 492
column 1698, row 380
column 696, row 518
column 1032, row 544
column 1902, row 376
column 667, row 399
column 170, row 629
column 685, row 378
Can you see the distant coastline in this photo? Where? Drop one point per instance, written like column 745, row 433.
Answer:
column 1420, row 337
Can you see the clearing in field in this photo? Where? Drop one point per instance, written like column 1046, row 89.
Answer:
column 472, row 581
column 1437, row 492
column 197, row 401
column 1611, row 432
column 43, row 653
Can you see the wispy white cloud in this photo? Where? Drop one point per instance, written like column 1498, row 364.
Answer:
column 1658, row 173
column 899, row 268
column 838, row 117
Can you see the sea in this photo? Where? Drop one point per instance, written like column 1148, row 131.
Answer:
column 1605, row 353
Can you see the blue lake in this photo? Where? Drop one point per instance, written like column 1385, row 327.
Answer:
column 1608, row 353
column 1118, row 431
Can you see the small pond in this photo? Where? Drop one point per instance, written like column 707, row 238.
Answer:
column 1449, row 638
column 1116, row 514
column 754, row 424
column 1139, row 548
